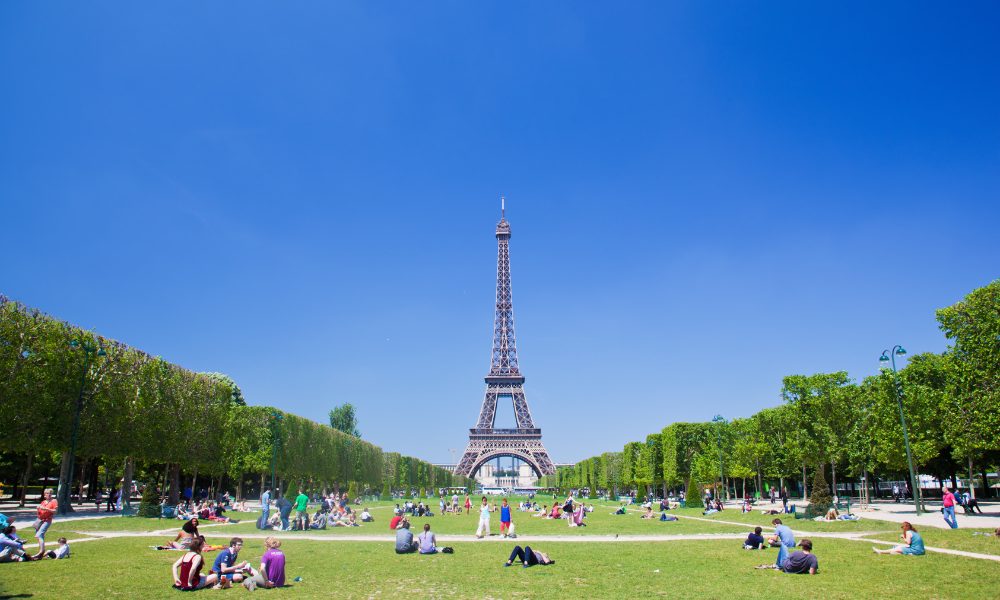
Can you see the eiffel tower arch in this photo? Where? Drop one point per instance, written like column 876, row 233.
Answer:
column 504, row 383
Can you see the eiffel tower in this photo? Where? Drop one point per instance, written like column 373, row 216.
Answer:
column 504, row 382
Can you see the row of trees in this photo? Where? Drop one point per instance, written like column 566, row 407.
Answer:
column 835, row 428
column 139, row 410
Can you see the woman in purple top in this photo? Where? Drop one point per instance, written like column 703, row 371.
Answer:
column 272, row 565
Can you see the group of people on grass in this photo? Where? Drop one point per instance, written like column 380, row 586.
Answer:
column 12, row 546
column 227, row 569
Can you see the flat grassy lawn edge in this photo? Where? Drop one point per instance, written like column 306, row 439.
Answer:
column 127, row 567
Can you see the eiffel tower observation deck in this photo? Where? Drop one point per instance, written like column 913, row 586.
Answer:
column 504, row 382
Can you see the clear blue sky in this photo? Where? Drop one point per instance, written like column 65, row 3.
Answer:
column 704, row 197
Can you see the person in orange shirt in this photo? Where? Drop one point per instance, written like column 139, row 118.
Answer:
column 46, row 510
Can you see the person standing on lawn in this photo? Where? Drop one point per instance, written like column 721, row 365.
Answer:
column 504, row 518
column 265, row 504
column 484, row 520
column 46, row 510
column 301, row 508
column 284, row 506
column 948, row 508
column 468, row 505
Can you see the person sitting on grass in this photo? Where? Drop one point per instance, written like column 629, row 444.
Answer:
column 396, row 521
column 913, row 543
column 542, row 512
column 746, row 505
column 187, row 570
column 576, row 517
column 648, row 514
column 61, row 552
column 319, row 520
column 404, row 539
column 272, row 567
column 801, row 562
column 784, row 539
column 528, row 557
column 225, row 567
column 754, row 541
column 12, row 546
column 621, row 510
column 427, row 540
column 185, row 537
column 366, row 517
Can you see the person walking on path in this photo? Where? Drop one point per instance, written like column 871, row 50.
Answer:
column 504, row 518
column 784, row 499
column 484, row 520
column 948, row 508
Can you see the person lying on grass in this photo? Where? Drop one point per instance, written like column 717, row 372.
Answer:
column 528, row 557
column 913, row 543
column 801, row 562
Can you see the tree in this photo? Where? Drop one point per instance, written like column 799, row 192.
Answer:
column 972, row 407
column 342, row 418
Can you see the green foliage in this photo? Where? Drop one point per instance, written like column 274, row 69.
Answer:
column 386, row 491
column 149, row 505
column 352, row 491
column 236, row 394
column 973, row 400
column 343, row 418
column 820, row 499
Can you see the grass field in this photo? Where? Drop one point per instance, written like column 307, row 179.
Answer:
column 126, row 567
column 687, row 569
column 969, row 540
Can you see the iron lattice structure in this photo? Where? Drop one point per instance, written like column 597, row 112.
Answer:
column 504, row 382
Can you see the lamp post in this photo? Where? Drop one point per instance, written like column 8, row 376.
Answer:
column 276, row 418
column 64, row 493
column 889, row 356
column 719, row 420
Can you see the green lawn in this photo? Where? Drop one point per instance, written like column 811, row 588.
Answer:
column 755, row 518
column 954, row 539
column 127, row 568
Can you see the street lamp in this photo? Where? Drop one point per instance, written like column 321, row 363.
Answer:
column 719, row 420
column 276, row 418
column 64, row 493
column 889, row 357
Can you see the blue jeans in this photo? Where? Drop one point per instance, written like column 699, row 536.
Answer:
column 949, row 517
column 267, row 514
column 284, row 520
column 782, row 555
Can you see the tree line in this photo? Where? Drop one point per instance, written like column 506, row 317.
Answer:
column 163, row 422
column 836, row 429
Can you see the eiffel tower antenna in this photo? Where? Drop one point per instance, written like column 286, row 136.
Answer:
column 504, row 381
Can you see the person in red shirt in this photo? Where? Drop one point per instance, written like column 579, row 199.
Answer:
column 395, row 522
column 948, row 504
column 46, row 510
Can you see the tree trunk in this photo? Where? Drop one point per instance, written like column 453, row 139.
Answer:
column 127, row 483
column 954, row 482
column 83, row 477
column 194, row 483
column 833, row 466
column 64, row 492
column 262, row 476
column 174, row 497
column 972, row 482
column 26, row 478
column 805, row 485
column 986, row 484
